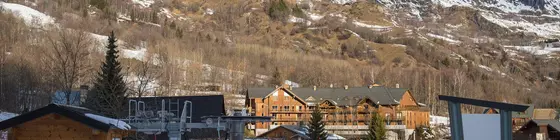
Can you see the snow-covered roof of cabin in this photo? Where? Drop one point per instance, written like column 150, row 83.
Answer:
column 6, row 115
column 117, row 123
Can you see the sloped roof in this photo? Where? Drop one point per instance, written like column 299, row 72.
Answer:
column 259, row 92
column 343, row 97
column 527, row 114
column 79, row 114
column 551, row 123
column 294, row 128
column 544, row 113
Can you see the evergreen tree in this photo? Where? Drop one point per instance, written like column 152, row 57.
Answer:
column 316, row 126
column 376, row 129
column 277, row 77
column 108, row 95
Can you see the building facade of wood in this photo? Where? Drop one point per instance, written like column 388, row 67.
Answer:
column 62, row 122
column 347, row 111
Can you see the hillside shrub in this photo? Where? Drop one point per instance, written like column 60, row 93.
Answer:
column 278, row 10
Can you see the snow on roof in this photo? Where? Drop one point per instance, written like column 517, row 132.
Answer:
column 7, row 115
column 28, row 14
column 335, row 137
column 117, row 123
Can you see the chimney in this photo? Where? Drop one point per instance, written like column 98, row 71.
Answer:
column 345, row 86
column 314, row 88
column 290, row 87
column 397, row 86
column 331, row 86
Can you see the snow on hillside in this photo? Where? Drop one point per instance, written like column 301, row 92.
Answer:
column 144, row 3
column 373, row 27
column 507, row 6
column 29, row 15
column 452, row 41
column 535, row 50
column 343, row 1
column 545, row 29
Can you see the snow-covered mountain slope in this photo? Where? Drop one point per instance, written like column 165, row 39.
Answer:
column 30, row 15
column 551, row 7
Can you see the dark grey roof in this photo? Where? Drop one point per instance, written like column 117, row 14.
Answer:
column 259, row 92
column 341, row 96
column 552, row 123
column 78, row 114
column 397, row 93
column 527, row 114
column 211, row 105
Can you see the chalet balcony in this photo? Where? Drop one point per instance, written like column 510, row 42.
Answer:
column 361, row 127
column 413, row 108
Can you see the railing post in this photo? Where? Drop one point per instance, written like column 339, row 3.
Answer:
column 456, row 120
column 505, row 125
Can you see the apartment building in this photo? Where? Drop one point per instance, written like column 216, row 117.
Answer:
column 347, row 111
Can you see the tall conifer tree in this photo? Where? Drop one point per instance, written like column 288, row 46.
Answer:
column 316, row 126
column 108, row 95
column 376, row 127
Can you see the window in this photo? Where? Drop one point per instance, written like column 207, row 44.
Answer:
column 299, row 108
column 274, row 108
column 286, row 108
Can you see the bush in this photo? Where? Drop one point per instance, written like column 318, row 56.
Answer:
column 194, row 7
column 297, row 12
column 100, row 4
column 278, row 10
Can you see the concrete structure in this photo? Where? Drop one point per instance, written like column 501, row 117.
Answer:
column 347, row 110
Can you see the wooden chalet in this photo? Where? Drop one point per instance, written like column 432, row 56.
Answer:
column 347, row 110
column 62, row 122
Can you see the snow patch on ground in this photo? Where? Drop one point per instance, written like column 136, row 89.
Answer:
column 486, row 68
column 373, row 27
column 138, row 54
column 521, row 25
column 535, row 50
column 503, row 5
column 314, row 16
column 549, row 78
column 165, row 12
column 343, row 1
column 444, row 38
column 29, row 15
column 209, row 11
column 117, row 123
column 144, row 3
column 294, row 19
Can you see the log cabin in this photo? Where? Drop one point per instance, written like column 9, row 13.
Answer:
column 63, row 122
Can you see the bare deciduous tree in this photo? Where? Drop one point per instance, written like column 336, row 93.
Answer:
column 67, row 53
